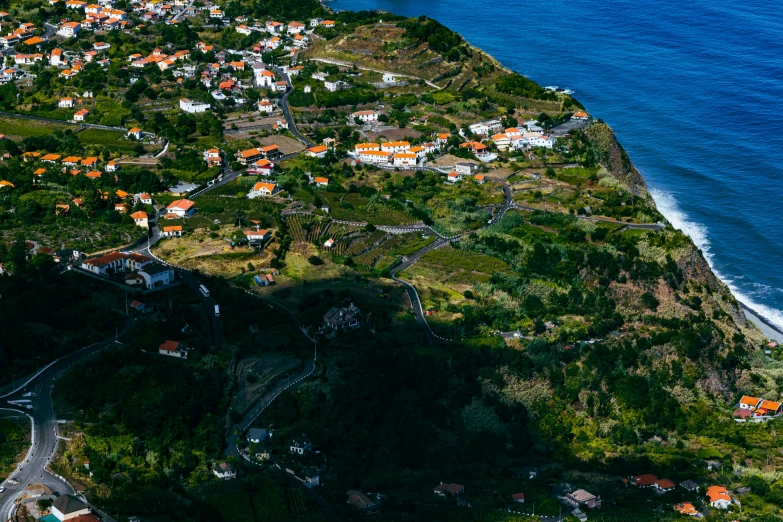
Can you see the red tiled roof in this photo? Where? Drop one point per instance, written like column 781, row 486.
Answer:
column 169, row 346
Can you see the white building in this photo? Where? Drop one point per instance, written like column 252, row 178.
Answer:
column 69, row 29
column 395, row 146
column 265, row 106
column 172, row 349
column 405, row 159
column 300, row 445
column 366, row 116
column 171, row 231
column 466, row 168
column 262, row 189
column 192, row 106
column 156, row 275
column 375, row 157
column 336, row 86
column 225, row 471
column 263, row 78
column 454, row 177
column 181, row 208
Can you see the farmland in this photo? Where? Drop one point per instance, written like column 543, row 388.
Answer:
column 355, row 207
column 211, row 252
column 111, row 139
column 28, row 128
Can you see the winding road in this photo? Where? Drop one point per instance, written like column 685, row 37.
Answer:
column 287, row 109
column 34, row 399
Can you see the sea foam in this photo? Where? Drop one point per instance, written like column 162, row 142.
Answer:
column 667, row 205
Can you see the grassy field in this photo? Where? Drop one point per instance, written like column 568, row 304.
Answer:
column 114, row 140
column 28, row 128
column 211, row 253
column 355, row 207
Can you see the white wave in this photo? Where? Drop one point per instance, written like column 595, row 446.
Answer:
column 667, row 205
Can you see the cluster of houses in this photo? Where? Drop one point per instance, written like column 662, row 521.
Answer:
column 393, row 153
column 648, row 480
column 718, row 497
column 73, row 165
column 756, row 409
column 300, row 446
column 138, row 270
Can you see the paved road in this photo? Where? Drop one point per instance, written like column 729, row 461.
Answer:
column 34, row 399
column 442, row 241
column 290, row 382
column 287, row 109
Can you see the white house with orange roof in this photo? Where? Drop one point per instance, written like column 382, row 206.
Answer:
column 502, row 141
column 363, row 147
column 404, row 159
column 718, row 497
column 375, row 157
column 141, row 219
column 262, row 166
column 181, row 208
column 69, row 29
column 274, row 27
column 262, row 189
column 295, row 27
column 65, row 103
column 749, row 403
column 265, row 106
column 319, row 151
column 263, row 78
column 56, row 57
column 80, row 115
column 212, row 157
column 135, row 133
column 395, row 146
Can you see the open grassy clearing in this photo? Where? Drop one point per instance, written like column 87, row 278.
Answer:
column 20, row 128
column 114, row 140
column 211, row 253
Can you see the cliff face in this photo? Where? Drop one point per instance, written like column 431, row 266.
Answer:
column 608, row 152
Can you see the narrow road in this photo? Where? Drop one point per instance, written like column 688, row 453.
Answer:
column 290, row 382
column 287, row 109
column 34, row 399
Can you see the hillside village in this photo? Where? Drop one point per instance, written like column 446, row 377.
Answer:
column 394, row 278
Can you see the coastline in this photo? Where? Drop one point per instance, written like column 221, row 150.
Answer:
column 766, row 316
column 766, row 327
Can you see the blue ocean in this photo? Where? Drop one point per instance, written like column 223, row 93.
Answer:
column 693, row 90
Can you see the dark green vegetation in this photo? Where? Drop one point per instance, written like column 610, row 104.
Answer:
column 45, row 329
column 13, row 440
column 622, row 353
